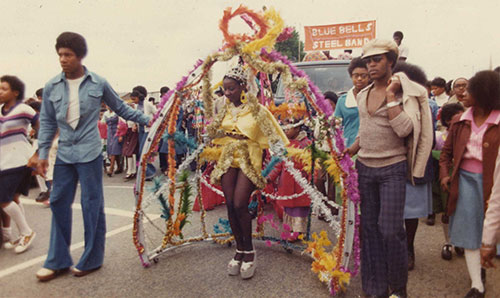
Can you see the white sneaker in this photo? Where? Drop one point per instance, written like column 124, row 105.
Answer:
column 11, row 243
column 25, row 243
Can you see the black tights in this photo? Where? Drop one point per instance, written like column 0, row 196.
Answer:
column 237, row 189
column 411, row 226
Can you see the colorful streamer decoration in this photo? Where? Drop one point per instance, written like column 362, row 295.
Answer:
column 334, row 262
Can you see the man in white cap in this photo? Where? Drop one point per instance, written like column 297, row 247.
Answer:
column 393, row 143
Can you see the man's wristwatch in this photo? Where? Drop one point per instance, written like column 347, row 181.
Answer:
column 393, row 104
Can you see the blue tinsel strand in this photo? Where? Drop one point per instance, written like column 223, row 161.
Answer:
column 270, row 166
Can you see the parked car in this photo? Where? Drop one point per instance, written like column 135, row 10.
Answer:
column 327, row 75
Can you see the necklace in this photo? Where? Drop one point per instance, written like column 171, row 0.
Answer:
column 235, row 111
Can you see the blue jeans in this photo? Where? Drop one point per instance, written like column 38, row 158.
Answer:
column 66, row 177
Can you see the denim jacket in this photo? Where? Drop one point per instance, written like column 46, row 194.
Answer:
column 82, row 144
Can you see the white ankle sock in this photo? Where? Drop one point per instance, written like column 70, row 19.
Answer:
column 131, row 165
column 7, row 233
column 15, row 213
column 21, row 207
column 473, row 261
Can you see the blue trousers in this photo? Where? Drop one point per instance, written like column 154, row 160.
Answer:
column 384, row 256
column 66, row 177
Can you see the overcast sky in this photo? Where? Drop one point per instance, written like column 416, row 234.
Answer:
column 154, row 43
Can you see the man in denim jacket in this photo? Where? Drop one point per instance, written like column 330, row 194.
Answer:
column 71, row 104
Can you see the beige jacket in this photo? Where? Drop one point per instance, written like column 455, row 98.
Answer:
column 419, row 142
column 491, row 229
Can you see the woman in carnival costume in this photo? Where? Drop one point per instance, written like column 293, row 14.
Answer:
column 238, row 131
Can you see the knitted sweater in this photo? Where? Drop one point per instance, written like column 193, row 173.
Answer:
column 381, row 140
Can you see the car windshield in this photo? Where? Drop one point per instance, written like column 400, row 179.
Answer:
column 327, row 77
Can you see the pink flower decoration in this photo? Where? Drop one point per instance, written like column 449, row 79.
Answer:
column 285, row 34
column 268, row 243
column 285, row 235
column 286, row 227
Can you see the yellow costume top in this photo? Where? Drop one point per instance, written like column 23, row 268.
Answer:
column 244, row 150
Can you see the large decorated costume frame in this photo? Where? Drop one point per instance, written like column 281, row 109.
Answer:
column 332, row 265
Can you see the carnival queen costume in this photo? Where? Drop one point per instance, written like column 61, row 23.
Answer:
column 243, row 133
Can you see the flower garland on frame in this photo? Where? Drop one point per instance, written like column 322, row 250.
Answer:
column 270, row 62
column 325, row 264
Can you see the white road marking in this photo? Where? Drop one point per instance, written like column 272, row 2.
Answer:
column 40, row 259
column 119, row 186
column 107, row 210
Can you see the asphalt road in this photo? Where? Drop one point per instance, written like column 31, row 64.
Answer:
column 199, row 270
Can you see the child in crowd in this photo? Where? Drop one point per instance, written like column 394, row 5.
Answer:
column 50, row 170
column 469, row 152
column 17, row 154
column 103, row 133
column 113, row 145
column 130, row 146
column 42, row 183
column 294, row 211
column 440, row 197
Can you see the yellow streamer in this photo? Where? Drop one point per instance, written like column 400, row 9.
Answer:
column 269, row 39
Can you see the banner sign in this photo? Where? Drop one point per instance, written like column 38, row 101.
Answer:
column 339, row 36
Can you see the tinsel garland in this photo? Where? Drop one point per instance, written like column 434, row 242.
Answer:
column 210, row 186
column 225, row 226
column 181, row 139
column 172, row 121
column 288, row 111
column 289, row 126
column 278, row 198
column 271, row 165
column 263, row 82
column 166, row 185
column 320, row 99
column 172, row 226
column 137, row 233
column 185, row 205
column 236, row 150
column 178, row 87
column 232, row 39
column 317, row 198
column 352, row 191
column 206, row 92
column 211, row 154
column 323, row 160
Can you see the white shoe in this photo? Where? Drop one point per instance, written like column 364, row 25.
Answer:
column 11, row 244
column 248, row 268
column 45, row 274
column 233, row 268
column 25, row 243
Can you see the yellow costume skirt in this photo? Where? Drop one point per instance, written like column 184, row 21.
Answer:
column 243, row 154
